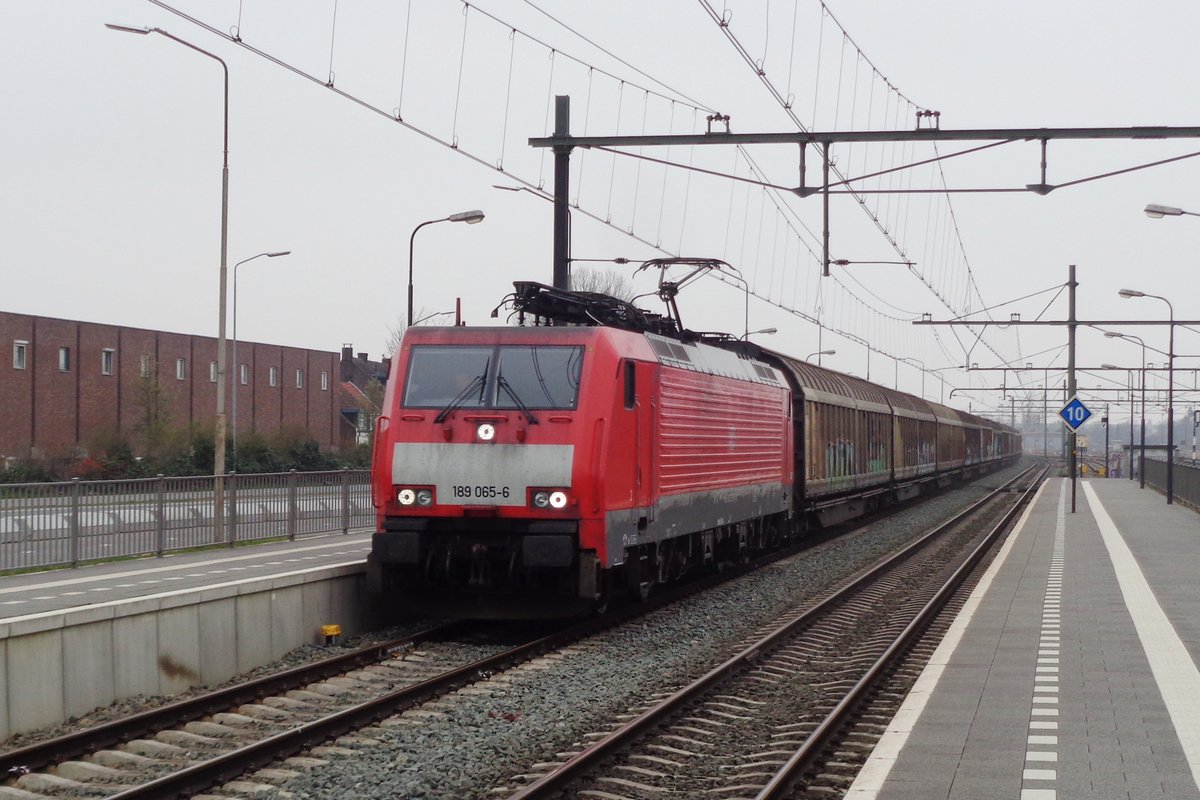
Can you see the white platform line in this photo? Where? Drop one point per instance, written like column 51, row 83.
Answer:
column 173, row 593
column 1047, row 695
column 161, row 567
column 1174, row 671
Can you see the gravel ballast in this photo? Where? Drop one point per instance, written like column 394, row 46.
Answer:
column 479, row 739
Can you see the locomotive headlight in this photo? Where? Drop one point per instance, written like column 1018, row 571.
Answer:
column 486, row 432
column 558, row 499
column 424, row 497
column 406, row 497
column 541, row 499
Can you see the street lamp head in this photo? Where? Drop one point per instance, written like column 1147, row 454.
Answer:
column 280, row 253
column 469, row 217
column 1127, row 293
column 765, row 331
column 1155, row 211
column 126, row 28
column 1111, row 366
column 1114, row 335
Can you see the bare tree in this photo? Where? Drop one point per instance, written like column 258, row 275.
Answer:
column 396, row 330
column 603, row 281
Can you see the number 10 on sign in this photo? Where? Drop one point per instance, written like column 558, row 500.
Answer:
column 1074, row 413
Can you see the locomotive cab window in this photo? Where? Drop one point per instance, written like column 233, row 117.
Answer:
column 538, row 377
column 439, row 375
column 494, row 377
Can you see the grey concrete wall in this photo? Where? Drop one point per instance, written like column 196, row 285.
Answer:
column 62, row 664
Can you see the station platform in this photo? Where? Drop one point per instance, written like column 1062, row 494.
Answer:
column 1071, row 671
column 73, row 640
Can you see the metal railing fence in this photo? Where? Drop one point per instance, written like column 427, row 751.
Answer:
column 1186, row 484
column 68, row 523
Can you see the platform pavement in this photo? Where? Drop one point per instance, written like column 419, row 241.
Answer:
column 128, row 579
column 1071, row 672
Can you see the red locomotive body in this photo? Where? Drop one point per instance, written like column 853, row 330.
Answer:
column 535, row 471
column 513, row 464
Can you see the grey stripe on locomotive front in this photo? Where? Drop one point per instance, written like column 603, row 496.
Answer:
column 512, row 466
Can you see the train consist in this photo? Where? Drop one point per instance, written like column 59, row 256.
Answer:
column 538, row 470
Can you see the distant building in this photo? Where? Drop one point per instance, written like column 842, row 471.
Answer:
column 68, row 382
column 358, row 373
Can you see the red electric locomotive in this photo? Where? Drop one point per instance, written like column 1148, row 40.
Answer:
column 538, row 469
column 535, row 471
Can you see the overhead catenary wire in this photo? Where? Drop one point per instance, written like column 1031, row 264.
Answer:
column 496, row 162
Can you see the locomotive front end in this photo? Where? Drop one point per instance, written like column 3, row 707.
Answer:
column 475, row 475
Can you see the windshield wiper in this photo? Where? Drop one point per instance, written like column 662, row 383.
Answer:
column 503, row 384
column 460, row 398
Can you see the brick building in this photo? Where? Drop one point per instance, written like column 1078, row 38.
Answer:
column 68, row 382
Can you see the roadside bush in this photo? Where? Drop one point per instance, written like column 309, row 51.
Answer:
column 111, row 456
column 28, row 471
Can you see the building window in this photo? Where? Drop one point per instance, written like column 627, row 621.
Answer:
column 20, row 354
column 324, row 381
column 180, row 368
column 107, row 358
column 244, row 374
column 64, row 359
column 144, row 366
column 212, row 372
column 299, row 379
column 274, row 376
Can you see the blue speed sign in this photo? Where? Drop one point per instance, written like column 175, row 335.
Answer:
column 1074, row 413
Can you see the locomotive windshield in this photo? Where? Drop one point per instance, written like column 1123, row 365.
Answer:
column 508, row 376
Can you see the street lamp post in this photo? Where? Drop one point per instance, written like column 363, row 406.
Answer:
column 469, row 217
column 1129, row 383
column 1142, row 449
column 921, row 366
column 1170, row 389
column 219, row 436
column 820, row 353
column 1156, row 211
column 1104, row 422
column 236, row 369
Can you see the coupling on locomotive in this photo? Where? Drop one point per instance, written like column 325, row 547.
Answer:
column 539, row 469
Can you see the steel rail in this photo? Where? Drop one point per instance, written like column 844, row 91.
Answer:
column 199, row 777
column 792, row 771
column 41, row 754
column 604, row 747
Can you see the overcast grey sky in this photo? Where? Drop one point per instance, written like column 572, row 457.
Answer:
column 110, row 197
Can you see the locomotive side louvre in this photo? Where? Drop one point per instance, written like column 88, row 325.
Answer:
column 720, row 448
column 721, row 453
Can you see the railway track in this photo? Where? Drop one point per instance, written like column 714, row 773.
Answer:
column 798, row 709
column 187, row 747
column 190, row 744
